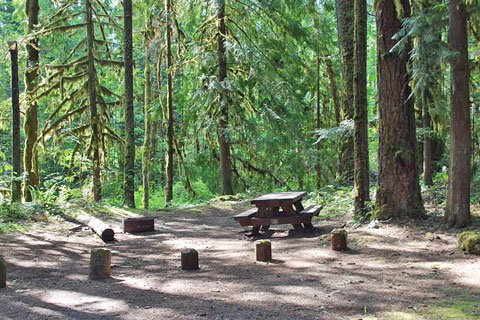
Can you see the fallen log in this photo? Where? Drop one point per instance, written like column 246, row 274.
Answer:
column 101, row 229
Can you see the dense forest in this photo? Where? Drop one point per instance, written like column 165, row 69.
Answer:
column 156, row 103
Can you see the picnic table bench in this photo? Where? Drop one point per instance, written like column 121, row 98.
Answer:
column 278, row 208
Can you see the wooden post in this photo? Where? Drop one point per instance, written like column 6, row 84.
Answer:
column 189, row 259
column 339, row 239
column 100, row 259
column 263, row 250
column 3, row 273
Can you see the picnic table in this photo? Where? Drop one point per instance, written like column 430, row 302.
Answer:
column 278, row 208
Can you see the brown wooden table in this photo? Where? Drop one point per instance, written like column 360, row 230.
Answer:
column 278, row 208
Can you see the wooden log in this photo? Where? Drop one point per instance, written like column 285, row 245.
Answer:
column 3, row 273
column 189, row 259
column 100, row 259
column 142, row 224
column 263, row 250
column 339, row 239
column 101, row 229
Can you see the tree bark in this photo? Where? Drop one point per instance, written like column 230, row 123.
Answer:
column 398, row 192
column 170, row 146
column 361, row 173
column 16, row 152
column 223, row 136
column 457, row 211
column 427, row 141
column 129, row 183
column 92, row 80
column 30, row 160
column 318, row 166
column 147, row 144
column 333, row 88
column 346, row 33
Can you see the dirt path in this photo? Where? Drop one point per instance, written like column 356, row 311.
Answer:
column 389, row 270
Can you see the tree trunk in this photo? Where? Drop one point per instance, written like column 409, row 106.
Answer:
column 169, row 187
column 333, row 87
column 361, row 176
column 427, row 141
column 318, row 167
column 398, row 192
column 147, row 144
column 223, row 136
column 16, row 152
column 457, row 211
column 345, row 26
column 129, row 183
column 30, row 160
column 92, row 79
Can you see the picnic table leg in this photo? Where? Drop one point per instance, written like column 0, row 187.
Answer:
column 297, row 226
column 298, row 205
column 308, row 225
column 271, row 212
column 255, row 230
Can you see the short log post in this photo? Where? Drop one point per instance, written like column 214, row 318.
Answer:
column 3, row 273
column 339, row 239
column 100, row 259
column 189, row 259
column 263, row 250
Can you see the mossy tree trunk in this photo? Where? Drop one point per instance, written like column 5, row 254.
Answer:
column 170, row 122
column 398, row 192
column 223, row 136
column 318, row 166
column 457, row 211
column 345, row 27
column 149, row 125
column 361, row 180
column 92, row 80
column 30, row 160
column 333, row 89
column 16, row 151
column 427, row 141
column 129, row 173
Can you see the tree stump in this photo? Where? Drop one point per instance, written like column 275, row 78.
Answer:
column 3, row 273
column 143, row 224
column 263, row 250
column 100, row 259
column 189, row 259
column 339, row 239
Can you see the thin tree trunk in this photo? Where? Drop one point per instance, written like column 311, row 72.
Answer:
column 318, row 167
column 223, row 136
column 92, row 79
column 30, row 160
column 427, row 141
column 147, row 144
column 170, row 147
column 129, row 183
column 333, row 87
column 16, row 152
column 398, row 192
column 362, row 179
column 457, row 211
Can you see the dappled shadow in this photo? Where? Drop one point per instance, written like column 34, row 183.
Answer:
column 305, row 280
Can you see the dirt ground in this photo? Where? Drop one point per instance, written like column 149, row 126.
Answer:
column 394, row 269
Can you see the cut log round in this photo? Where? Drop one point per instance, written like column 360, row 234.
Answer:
column 101, row 229
column 3, row 273
column 189, row 259
column 142, row 224
column 100, row 259
column 263, row 250
column 339, row 240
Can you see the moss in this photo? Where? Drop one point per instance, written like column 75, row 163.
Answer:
column 469, row 241
column 263, row 241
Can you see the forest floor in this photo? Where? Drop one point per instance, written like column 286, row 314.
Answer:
column 401, row 270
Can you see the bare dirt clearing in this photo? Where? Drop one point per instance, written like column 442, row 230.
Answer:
column 392, row 272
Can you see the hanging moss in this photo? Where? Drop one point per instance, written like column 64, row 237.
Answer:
column 469, row 241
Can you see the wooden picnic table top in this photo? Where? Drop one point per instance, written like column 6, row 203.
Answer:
column 279, row 197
